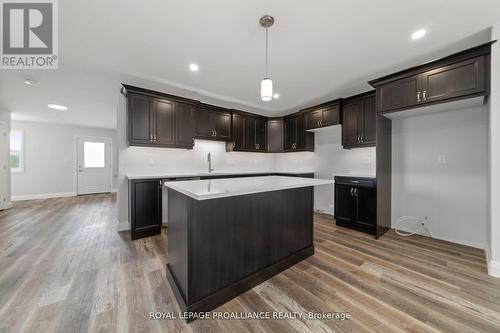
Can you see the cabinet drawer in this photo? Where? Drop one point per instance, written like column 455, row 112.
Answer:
column 360, row 182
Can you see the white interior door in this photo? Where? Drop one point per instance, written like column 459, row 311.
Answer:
column 93, row 165
column 4, row 153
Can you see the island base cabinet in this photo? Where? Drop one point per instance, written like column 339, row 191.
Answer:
column 220, row 248
column 145, row 212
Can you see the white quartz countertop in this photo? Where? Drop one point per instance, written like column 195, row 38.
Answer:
column 206, row 174
column 228, row 187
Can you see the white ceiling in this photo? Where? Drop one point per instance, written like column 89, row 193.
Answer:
column 319, row 50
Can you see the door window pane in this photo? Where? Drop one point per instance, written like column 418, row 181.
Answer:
column 16, row 151
column 93, row 154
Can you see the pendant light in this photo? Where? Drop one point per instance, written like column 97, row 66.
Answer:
column 266, row 85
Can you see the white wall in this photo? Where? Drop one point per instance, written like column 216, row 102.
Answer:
column 439, row 171
column 5, row 118
column 145, row 160
column 50, row 159
column 493, row 228
column 330, row 159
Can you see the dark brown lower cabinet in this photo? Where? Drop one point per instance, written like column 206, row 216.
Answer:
column 145, row 210
column 356, row 204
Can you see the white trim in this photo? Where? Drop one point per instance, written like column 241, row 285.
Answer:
column 493, row 265
column 75, row 161
column 122, row 226
column 43, row 196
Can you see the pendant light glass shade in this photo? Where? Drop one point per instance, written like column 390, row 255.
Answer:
column 266, row 89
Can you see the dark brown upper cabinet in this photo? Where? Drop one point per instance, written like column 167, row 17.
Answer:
column 359, row 121
column 461, row 75
column 249, row 132
column 296, row 136
column 275, row 135
column 212, row 123
column 158, row 120
column 323, row 115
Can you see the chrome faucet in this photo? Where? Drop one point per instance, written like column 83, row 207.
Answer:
column 209, row 159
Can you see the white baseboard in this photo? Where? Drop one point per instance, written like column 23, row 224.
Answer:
column 326, row 212
column 43, row 196
column 8, row 205
column 122, row 226
column 480, row 246
column 164, row 222
column 493, row 265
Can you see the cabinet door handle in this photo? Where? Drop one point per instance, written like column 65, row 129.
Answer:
column 160, row 183
column 318, row 123
column 150, row 137
column 424, row 95
column 418, row 96
column 321, row 123
column 362, row 138
column 356, row 192
column 215, row 132
column 352, row 191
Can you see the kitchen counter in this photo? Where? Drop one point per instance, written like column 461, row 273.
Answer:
column 251, row 229
column 228, row 187
column 211, row 174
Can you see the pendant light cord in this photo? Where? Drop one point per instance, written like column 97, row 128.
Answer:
column 267, row 52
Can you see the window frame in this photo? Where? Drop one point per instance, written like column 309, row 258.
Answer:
column 21, row 152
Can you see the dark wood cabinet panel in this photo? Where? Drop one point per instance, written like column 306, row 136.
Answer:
column 313, row 119
column 367, row 208
column 222, row 125
column 356, row 203
column 399, row 94
column 359, row 121
column 275, row 135
column 249, row 132
column 370, row 121
column 204, row 127
column 461, row 75
column 301, row 134
column 213, row 123
column 164, row 122
column 296, row 136
column 330, row 116
column 155, row 121
column 185, row 124
column 344, row 205
column 250, row 135
column 290, row 136
column 140, row 119
column 145, row 213
column 350, row 113
column 323, row 115
column 238, row 132
column 260, row 134
column 459, row 79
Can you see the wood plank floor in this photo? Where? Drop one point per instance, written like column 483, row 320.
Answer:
column 64, row 268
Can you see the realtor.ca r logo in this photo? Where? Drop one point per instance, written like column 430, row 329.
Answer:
column 29, row 34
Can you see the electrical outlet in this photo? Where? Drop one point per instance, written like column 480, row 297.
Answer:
column 442, row 159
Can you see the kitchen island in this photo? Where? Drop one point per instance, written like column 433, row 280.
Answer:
column 226, row 236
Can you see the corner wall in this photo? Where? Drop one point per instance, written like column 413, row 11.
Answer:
column 439, row 171
column 50, row 159
column 493, row 227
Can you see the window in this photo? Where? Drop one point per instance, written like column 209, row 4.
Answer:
column 93, row 154
column 16, row 151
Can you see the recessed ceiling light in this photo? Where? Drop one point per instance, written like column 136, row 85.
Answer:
column 418, row 34
column 194, row 67
column 276, row 95
column 57, row 107
column 31, row 82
